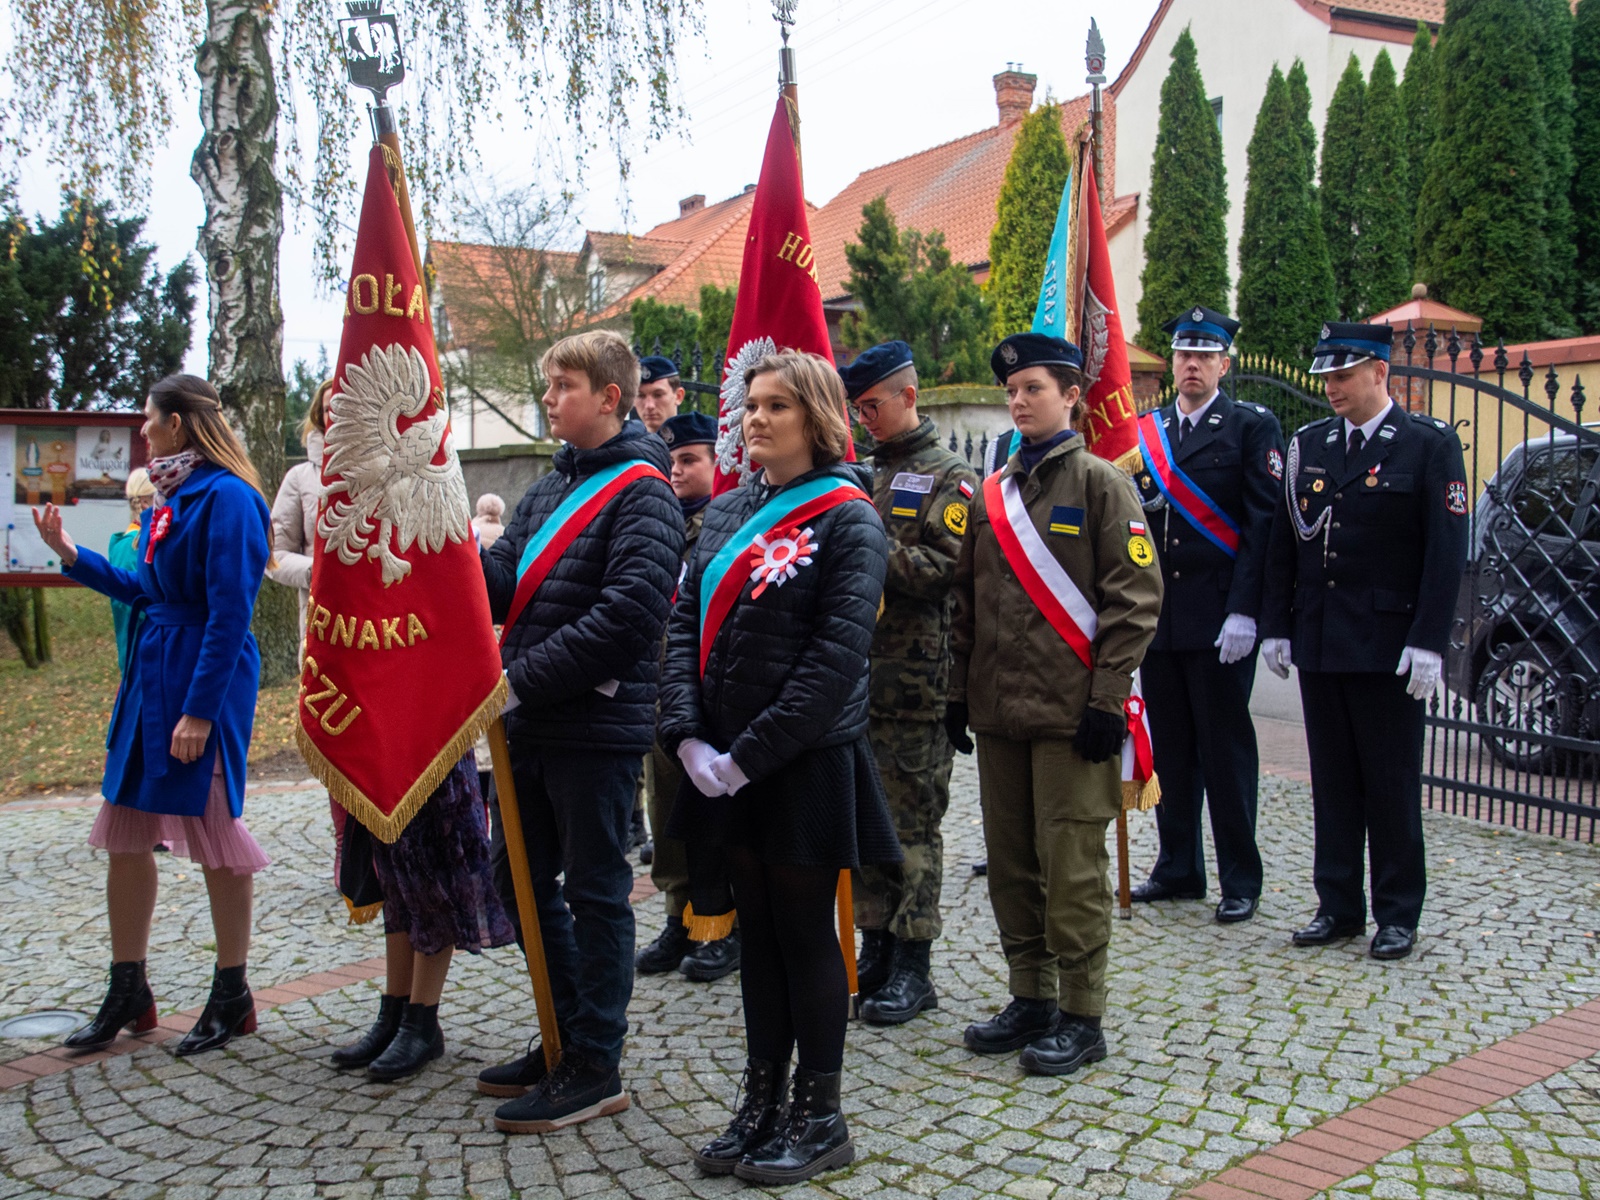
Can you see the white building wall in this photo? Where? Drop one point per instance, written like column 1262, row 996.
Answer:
column 1238, row 42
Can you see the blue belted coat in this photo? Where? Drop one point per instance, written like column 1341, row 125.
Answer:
column 194, row 653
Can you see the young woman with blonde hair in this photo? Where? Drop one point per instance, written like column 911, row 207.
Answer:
column 180, row 732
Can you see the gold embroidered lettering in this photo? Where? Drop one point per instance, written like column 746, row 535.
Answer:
column 414, row 630
column 336, row 730
column 362, row 306
column 391, row 633
column 369, row 636
column 417, row 306
column 791, row 244
column 391, row 289
column 343, row 629
column 319, row 622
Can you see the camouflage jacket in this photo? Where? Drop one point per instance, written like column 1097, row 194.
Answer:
column 922, row 492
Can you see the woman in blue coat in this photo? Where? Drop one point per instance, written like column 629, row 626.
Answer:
column 175, row 755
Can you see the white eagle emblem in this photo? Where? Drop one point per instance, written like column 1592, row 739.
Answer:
column 392, row 490
column 730, row 416
column 1096, row 337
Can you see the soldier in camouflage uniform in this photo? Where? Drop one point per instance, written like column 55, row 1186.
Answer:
column 921, row 491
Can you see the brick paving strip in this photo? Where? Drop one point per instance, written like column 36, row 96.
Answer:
column 1316, row 1159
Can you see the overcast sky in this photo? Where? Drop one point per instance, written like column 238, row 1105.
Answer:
column 879, row 79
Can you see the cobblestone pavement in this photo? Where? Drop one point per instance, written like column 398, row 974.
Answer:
column 1224, row 1040
column 1542, row 1144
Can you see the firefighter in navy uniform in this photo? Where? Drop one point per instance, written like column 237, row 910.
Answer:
column 1212, row 476
column 1369, row 544
column 921, row 491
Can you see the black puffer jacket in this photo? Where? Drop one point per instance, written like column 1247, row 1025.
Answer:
column 599, row 615
column 788, row 671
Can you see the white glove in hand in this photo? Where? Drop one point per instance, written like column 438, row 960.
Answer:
column 697, row 757
column 1425, row 667
column 1237, row 639
column 1275, row 653
column 512, row 699
column 725, row 769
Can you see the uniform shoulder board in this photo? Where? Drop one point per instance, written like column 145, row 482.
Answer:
column 1259, row 409
column 1430, row 421
column 1312, row 425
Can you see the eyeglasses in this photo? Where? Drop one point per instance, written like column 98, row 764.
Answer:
column 865, row 411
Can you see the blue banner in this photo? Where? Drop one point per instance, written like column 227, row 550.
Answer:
column 1050, row 314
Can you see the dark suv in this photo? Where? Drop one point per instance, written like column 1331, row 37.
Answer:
column 1529, row 610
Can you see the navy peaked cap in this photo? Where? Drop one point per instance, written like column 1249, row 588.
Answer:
column 689, row 429
column 1203, row 329
column 872, row 367
column 1344, row 344
column 653, row 367
column 1023, row 350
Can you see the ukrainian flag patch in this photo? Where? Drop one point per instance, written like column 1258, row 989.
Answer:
column 907, row 505
column 1066, row 521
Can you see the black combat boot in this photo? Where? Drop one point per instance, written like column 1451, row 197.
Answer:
column 909, row 990
column 1072, row 1043
column 874, row 962
column 517, row 1077
column 579, row 1089
column 812, row 1139
column 128, row 1004
column 230, row 1011
column 1013, row 1027
column 417, row 1042
column 709, row 961
column 666, row 952
column 765, row 1087
column 376, row 1040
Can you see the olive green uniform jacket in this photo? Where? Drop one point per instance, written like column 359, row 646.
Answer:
column 1019, row 678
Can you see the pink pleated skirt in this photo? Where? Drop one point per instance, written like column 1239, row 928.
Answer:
column 216, row 840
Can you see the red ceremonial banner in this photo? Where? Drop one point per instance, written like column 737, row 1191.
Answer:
column 1110, row 426
column 779, row 305
column 401, row 672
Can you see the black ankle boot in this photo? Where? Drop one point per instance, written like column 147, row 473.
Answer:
column 230, row 1011
column 811, row 1139
column 417, row 1042
column 376, row 1040
column 874, row 962
column 128, row 1003
column 909, row 990
column 765, row 1087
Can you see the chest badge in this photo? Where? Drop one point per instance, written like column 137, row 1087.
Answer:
column 775, row 557
column 1316, row 485
column 906, row 506
column 1066, row 521
column 955, row 518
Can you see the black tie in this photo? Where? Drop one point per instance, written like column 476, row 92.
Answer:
column 1357, row 441
column 1185, row 428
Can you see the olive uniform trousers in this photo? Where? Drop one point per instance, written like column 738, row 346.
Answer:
column 669, row 869
column 1045, row 815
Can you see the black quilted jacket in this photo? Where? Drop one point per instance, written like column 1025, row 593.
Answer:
column 788, row 671
column 597, row 618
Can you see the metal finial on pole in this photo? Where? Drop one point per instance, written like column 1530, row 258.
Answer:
column 1094, row 59
column 783, row 14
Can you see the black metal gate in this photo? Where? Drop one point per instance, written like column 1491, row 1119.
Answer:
column 1514, row 738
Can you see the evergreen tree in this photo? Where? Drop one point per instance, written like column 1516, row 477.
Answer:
column 1300, row 113
column 1416, row 106
column 1342, row 153
column 909, row 289
column 1382, row 265
column 1555, row 55
column 1186, row 245
column 1586, row 162
column 1481, row 243
column 1025, row 217
column 666, row 329
column 716, row 322
column 1285, row 282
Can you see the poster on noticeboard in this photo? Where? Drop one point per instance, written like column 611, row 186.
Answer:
column 81, row 465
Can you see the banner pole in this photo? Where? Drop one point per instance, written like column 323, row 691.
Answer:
column 505, row 787
column 847, row 937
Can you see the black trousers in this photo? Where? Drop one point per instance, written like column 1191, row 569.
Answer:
column 1205, row 752
column 1365, row 738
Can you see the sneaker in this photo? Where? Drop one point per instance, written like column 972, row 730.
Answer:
column 577, row 1090
column 517, row 1077
column 712, row 960
column 666, row 952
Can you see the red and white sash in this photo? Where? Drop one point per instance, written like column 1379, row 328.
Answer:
column 1044, row 579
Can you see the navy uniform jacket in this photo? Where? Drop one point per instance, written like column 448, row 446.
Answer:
column 1384, row 571
column 1235, row 456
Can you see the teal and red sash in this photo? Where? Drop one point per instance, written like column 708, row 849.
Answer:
column 550, row 541
column 727, row 572
column 1046, row 581
column 1193, row 505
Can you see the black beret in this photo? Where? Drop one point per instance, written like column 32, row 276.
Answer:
column 689, row 429
column 653, row 367
column 1023, row 350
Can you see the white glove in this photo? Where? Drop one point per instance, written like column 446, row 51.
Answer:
column 1275, row 653
column 725, row 769
column 697, row 757
column 1425, row 667
column 512, row 699
column 1237, row 639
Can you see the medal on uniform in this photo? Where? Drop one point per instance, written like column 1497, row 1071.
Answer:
column 1316, row 485
column 1372, row 475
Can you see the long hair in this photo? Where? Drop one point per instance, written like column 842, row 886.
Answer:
column 206, row 428
column 316, row 419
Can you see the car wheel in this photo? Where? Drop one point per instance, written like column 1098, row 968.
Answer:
column 1523, row 694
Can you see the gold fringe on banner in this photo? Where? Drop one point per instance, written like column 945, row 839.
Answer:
column 387, row 828
column 707, row 929
column 1141, row 797
column 363, row 915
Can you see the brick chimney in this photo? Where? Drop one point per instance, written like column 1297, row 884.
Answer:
column 1013, row 93
column 691, row 204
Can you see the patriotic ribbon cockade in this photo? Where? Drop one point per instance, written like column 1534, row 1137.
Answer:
column 729, row 571
column 1191, row 503
column 1044, row 579
column 570, row 518
column 1140, row 788
column 401, row 674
